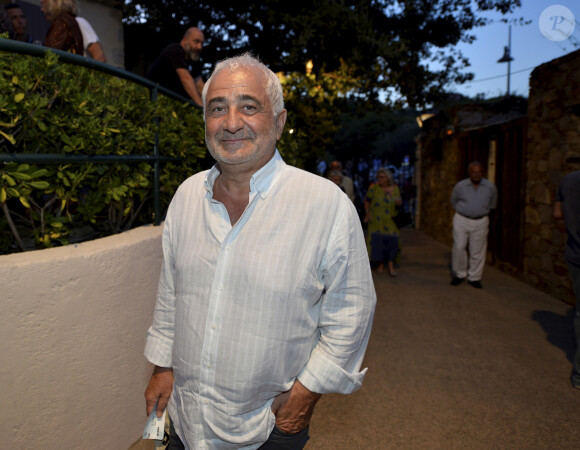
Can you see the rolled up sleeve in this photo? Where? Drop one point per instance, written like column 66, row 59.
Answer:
column 347, row 311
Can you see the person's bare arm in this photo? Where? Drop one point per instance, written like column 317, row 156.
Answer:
column 159, row 389
column 95, row 51
column 557, row 212
column 293, row 409
column 367, row 216
column 189, row 85
column 199, row 84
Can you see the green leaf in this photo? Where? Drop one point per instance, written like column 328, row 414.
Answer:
column 39, row 173
column 40, row 184
column 8, row 179
column 24, row 202
column 19, row 97
column 3, row 195
column 9, row 137
column 21, row 176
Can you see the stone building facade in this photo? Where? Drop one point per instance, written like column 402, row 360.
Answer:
column 553, row 151
column 526, row 150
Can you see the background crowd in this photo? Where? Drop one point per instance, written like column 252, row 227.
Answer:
column 384, row 197
column 68, row 31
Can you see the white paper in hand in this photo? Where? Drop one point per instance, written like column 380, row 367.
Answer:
column 155, row 426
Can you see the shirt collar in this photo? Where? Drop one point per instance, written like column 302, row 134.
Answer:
column 261, row 182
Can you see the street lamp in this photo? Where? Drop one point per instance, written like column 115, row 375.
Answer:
column 507, row 58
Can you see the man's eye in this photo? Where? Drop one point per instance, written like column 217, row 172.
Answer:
column 249, row 108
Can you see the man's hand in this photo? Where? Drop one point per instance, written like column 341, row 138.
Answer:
column 293, row 409
column 159, row 389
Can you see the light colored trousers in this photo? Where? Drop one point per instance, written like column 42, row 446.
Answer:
column 469, row 234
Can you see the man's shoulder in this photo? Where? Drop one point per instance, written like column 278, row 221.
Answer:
column 300, row 180
column 572, row 176
column 318, row 192
column 464, row 182
column 173, row 49
column 569, row 185
column 308, row 177
column 347, row 179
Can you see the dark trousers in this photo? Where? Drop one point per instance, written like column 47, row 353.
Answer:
column 575, row 275
column 277, row 440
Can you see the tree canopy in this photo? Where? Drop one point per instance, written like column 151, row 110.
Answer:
column 401, row 47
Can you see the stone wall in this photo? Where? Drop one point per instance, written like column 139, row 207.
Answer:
column 553, row 151
column 439, row 160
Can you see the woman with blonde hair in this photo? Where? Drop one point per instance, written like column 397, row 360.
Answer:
column 381, row 204
column 64, row 32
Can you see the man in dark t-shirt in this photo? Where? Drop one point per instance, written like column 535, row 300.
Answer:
column 567, row 206
column 178, row 67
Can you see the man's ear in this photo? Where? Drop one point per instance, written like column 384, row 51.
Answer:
column 280, row 122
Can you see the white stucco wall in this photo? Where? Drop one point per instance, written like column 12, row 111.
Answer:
column 72, row 333
column 106, row 22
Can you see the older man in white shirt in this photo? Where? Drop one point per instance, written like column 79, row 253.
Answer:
column 472, row 198
column 266, row 297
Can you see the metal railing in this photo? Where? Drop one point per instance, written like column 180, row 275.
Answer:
column 156, row 159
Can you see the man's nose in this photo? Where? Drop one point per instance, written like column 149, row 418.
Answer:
column 233, row 121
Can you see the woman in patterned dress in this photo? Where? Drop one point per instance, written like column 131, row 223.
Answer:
column 381, row 204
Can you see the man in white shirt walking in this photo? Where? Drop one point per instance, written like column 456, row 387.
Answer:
column 472, row 198
column 266, row 297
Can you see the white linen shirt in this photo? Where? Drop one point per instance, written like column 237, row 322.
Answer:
column 243, row 311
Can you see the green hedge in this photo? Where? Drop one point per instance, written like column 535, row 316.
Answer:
column 55, row 108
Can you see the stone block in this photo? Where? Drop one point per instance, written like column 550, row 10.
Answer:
column 532, row 216
column 540, row 194
column 572, row 137
column 545, row 212
column 555, row 158
column 547, row 97
column 558, row 238
column 542, row 165
column 547, row 263
column 561, row 270
column 546, row 232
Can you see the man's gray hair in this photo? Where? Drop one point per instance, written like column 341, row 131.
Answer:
column 247, row 60
column 473, row 164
